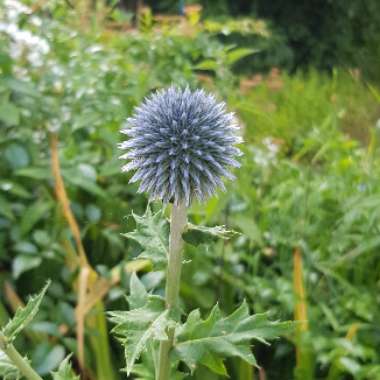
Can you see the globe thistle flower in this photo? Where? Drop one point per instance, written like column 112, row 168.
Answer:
column 181, row 144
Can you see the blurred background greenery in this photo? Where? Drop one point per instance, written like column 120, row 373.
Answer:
column 303, row 78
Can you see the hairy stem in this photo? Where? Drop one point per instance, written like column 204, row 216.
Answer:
column 21, row 363
column 173, row 277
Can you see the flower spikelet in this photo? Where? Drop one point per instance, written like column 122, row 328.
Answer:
column 181, row 145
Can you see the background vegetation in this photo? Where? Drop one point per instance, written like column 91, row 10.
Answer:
column 303, row 83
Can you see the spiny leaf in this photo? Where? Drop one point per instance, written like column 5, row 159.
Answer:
column 214, row 363
column 8, row 371
column 65, row 372
column 196, row 235
column 152, row 233
column 146, row 369
column 201, row 341
column 139, row 327
column 24, row 315
column 138, row 296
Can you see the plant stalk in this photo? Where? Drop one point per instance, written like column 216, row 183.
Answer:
column 173, row 278
column 21, row 363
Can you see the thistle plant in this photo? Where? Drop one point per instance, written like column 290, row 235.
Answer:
column 181, row 145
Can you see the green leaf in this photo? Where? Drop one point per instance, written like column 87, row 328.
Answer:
column 77, row 179
column 140, row 327
column 196, row 235
column 350, row 365
column 214, row 363
column 23, row 263
column 9, row 114
column 24, row 315
column 25, row 247
column 5, row 208
column 146, row 369
column 93, row 213
column 238, row 54
column 201, row 341
column 8, row 371
column 207, row 64
column 14, row 188
column 248, row 227
column 138, row 295
column 17, row 156
column 34, row 173
column 65, row 372
column 152, row 233
column 50, row 357
column 33, row 214
column 22, row 87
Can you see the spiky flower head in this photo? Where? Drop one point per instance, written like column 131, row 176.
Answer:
column 181, row 144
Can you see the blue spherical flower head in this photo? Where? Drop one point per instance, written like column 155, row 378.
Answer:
column 181, row 145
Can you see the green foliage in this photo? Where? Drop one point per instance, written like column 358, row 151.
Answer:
column 65, row 371
column 145, row 323
column 197, row 341
column 196, row 234
column 8, row 371
column 340, row 33
column 208, row 341
column 152, row 234
column 309, row 178
column 23, row 316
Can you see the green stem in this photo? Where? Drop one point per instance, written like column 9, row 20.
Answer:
column 173, row 277
column 21, row 363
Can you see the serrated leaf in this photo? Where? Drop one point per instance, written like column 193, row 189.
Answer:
column 8, row 371
column 146, row 369
column 139, row 327
column 214, row 363
column 152, row 233
column 65, row 372
column 24, row 315
column 138, row 296
column 223, row 336
column 196, row 235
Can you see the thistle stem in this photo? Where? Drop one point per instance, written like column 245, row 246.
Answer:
column 15, row 357
column 173, row 277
